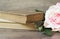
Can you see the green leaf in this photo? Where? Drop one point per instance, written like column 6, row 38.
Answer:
column 40, row 28
column 48, row 31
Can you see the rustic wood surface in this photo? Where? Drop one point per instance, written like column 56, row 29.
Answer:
column 25, row 34
column 21, row 34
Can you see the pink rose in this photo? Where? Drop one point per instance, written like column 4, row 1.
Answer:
column 55, row 19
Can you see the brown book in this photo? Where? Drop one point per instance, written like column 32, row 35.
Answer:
column 22, row 17
column 18, row 26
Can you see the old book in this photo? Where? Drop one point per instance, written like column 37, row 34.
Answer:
column 18, row 26
column 22, row 17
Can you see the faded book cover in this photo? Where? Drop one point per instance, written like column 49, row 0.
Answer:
column 22, row 17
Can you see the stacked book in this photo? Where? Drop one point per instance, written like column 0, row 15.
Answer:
column 20, row 20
